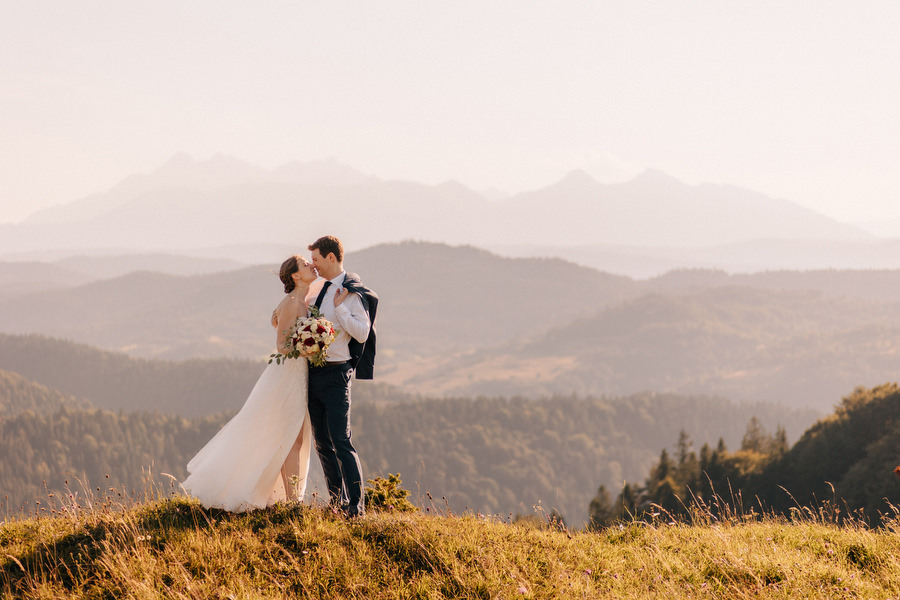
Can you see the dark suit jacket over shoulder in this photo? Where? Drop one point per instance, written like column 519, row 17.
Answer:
column 362, row 354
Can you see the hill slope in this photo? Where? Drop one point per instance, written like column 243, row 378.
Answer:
column 789, row 347
column 118, row 382
column 83, row 450
column 854, row 450
column 18, row 394
column 844, row 465
column 462, row 321
column 176, row 549
column 430, row 292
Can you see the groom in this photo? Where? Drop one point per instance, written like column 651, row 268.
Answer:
column 351, row 307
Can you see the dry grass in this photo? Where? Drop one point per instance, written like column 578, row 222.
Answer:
column 173, row 548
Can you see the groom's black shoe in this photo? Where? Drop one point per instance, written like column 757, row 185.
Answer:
column 352, row 512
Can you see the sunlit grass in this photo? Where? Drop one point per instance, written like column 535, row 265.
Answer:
column 173, row 548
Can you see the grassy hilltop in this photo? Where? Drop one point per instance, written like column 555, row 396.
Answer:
column 175, row 549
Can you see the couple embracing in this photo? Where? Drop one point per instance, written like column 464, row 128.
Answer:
column 261, row 456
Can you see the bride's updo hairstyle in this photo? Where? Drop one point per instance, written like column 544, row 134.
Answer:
column 288, row 268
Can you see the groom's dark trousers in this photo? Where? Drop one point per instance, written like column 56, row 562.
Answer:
column 329, row 415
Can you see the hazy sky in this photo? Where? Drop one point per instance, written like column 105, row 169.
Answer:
column 794, row 99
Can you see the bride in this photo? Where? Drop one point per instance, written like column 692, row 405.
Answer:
column 261, row 456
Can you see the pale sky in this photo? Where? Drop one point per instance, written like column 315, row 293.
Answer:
column 793, row 99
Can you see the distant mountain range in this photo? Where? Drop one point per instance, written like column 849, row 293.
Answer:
column 184, row 172
column 657, row 210
column 190, row 205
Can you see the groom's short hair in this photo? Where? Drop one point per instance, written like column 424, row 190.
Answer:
column 328, row 244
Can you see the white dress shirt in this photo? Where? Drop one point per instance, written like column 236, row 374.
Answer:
column 349, row 319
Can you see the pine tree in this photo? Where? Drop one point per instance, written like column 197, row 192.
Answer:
column 601, row 512
column 756, row 438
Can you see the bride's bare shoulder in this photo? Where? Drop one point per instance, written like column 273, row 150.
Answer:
column 290, row 301
column 280, row 309
column 292, row 305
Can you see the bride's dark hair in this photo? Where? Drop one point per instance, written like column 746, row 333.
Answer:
column 288, row 268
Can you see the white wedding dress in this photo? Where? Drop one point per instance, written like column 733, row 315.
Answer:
column 242, row 467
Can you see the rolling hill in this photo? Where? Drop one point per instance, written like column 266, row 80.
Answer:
column 118, row 382
column 788, row 347
column 463, row 321
column 227, row 314
column 748, row 257
column 18, row 394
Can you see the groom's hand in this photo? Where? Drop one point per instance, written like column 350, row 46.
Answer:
column 338, row 298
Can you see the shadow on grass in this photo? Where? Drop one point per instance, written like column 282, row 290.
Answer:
column 69, row 555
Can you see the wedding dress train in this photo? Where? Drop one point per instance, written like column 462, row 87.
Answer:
column 241, row 467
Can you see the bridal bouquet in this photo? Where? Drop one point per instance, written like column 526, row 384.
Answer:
column 309, row 337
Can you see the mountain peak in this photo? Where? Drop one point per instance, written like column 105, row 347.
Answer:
column 180, row 159
column 655, row 176
column 578, row 177
column 576, row 181
column 329, row 171
column 454, row 185
column 185, row 169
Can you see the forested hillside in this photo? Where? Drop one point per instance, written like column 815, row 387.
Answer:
column 492, row 455
column 18, row 395
column 855, row 449
column 117, row 381
column 506, row 455
column 93, row 448
column 846, row 460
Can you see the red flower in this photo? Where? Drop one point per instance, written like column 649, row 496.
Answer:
column 320, row 329
column 309, row 342
column 897, row 471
